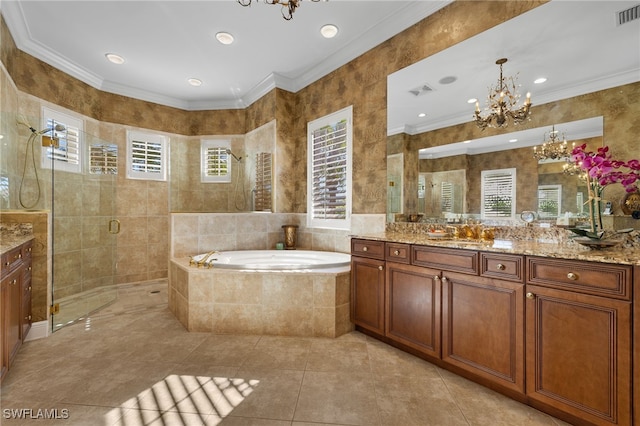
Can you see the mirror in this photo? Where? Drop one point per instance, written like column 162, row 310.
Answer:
column 427, row 109
column 449, row 181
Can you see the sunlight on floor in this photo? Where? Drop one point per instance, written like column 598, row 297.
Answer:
column 215, row 397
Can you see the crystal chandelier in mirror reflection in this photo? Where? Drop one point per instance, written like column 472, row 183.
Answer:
column 288, row 6
column 553, row 147
column 502, row 104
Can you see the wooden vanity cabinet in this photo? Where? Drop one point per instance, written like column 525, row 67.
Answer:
column 578, row 339
column 15, row 303
column 412, row 307
column 483, row 321
column 367, row 284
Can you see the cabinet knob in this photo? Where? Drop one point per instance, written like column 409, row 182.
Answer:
column 500, row 267
column 7, row 263
column 28, row 318
column 572, row 276
column 530, row 296
column 13, row 282
column 20, row 256
column 437, row 277
column 365, row 248
column 444, row 279
column 396, row 252
column 380, row 267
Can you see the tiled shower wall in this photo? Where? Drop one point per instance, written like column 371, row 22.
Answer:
column 196, row 233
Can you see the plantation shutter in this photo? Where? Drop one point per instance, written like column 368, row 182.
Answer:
column 103, row 159
column 67, row 141
column 446, row 197
column 549, row 198
column 498, row 193
column 329, row 170
column 263, row 188
column 216, row 161
column 147, row 156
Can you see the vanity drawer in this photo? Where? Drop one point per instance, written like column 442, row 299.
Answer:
column 456, row 260
column 367, row 248
column 11, row 260
column 400, row 253
column 600, row 279
column 504, row 266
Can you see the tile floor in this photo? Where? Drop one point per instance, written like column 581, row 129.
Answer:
column 132, row 364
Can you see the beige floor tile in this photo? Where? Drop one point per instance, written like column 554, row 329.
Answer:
column 416, row 400
column 482, row 406
column 329, row 397
column 133, row 363
column 274, row 396
column 281, row 353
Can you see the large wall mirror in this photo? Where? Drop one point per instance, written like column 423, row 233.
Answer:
column 443, row 154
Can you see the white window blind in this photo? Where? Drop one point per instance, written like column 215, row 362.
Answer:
column 329, row 166
column 549, row 201
column 146, row 156
column 215, row 161
column 62, row 148
column 103, row 159
column 446, row 197
column 498, row 196
column 263, row 189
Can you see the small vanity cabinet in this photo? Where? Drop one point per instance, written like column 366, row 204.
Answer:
column 579, row 345
column 553, row 333
column 15, row 303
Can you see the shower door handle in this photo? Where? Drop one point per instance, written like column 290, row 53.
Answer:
column 114, row 226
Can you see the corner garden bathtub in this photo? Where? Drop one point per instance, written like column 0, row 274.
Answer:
column 276, row 292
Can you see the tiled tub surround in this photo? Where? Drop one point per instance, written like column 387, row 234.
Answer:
column 283, row 303
column 288, row 303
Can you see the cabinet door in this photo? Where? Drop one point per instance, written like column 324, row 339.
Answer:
column 4, row 360
column 483, row 328
column 11, row 307
column 367, row 293
column 579, row 354
column 412, row 311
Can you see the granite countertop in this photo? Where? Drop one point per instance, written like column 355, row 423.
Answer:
column 570, row 250
column 9, row 242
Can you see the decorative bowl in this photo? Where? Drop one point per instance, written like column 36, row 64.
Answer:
column 596, row 244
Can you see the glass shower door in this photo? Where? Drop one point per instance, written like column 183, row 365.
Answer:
column 85, row 230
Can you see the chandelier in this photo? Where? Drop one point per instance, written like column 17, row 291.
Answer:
column 553, row 147
column 288, row 6
column 501, row 104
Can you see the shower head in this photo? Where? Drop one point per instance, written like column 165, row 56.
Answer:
column 58, row 128
column 233, row 155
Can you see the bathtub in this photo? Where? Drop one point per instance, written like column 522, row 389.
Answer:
column 273, row 260
column 272, row 292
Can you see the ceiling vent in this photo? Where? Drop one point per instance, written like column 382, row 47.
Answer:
column 629, row 14
column 421, row 90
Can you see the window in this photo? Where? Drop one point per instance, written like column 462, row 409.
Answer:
column 103, row 159
column 329, row 170
column 549, row 201
column 147, row 156
column 215, row 161
column 498, row 195
column 63, row 142
column 263, row 189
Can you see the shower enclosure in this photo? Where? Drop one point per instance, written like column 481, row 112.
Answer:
column 55, row 166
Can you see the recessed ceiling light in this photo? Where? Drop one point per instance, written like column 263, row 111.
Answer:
column 469, row 141
column 422, row 114
column 224, row 37
column 116, row 59
column 540, row 80
column 195, row 82
column 448, row 79
column 329, row 31
column 472, row 101
column 513, row 140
